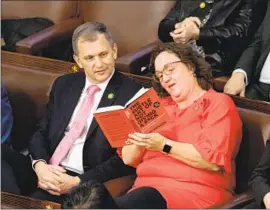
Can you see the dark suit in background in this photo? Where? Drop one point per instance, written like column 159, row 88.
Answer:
column 260, row 180
column 226, row 33
column 253, row 58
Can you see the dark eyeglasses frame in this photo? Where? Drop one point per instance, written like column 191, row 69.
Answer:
column 164, row 71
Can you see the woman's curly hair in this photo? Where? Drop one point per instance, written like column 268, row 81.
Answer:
column 190, row 57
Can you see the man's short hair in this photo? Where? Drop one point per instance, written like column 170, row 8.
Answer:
column 88, row 32
column 89, row 195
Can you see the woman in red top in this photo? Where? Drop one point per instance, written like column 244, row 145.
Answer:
column 189, row 162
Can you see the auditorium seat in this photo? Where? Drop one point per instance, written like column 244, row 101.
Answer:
column 60, row 12
column 133, row 24
column 28, row 94
column 256, row 132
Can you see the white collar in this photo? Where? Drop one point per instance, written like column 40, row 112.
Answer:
column 101, row 85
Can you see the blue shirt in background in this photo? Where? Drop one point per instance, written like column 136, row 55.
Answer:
column 6, row 116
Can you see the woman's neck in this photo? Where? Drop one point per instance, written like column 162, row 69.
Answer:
column 194, row 95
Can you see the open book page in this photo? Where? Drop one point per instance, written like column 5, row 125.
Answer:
column 109, row 108
column 118, row 107
column 147, row 112
column 115, row 126
column 137, row 95
column 144, row 114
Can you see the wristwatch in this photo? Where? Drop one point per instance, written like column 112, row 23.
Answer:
column 167, row 148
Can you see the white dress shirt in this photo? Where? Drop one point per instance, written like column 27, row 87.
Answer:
column 265, row 72
column 74, row 159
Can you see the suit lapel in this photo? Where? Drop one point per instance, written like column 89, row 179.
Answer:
column 72, row 96
column 111, row 89
column 265, row 40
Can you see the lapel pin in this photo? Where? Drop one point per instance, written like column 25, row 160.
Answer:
column 74, row 68
column 110, row 96
column 202, row 5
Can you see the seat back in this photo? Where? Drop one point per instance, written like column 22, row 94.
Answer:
column 256, row 130
column 56, row 11
column 133, row 24
column 28, row 92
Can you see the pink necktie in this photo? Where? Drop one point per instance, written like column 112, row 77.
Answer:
column 76, row 128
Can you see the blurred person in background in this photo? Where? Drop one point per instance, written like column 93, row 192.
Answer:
column 251, row 77
column 218, row 29
column 89, row 195
column 259, row 181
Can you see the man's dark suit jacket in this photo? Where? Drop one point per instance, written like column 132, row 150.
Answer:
column 260, row 180
column 100, row 161
column 253, row 58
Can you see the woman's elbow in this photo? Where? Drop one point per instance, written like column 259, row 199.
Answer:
column 216, row 168
column 128, row 161
column 207, row 165
column 127, row 158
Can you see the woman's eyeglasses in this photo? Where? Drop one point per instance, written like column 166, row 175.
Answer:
column 168, row 69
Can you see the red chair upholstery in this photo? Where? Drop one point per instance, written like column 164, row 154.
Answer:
column 62, row 13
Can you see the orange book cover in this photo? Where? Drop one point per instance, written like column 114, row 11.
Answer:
column 143, row 113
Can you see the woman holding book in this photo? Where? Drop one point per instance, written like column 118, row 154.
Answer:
column 189, row 162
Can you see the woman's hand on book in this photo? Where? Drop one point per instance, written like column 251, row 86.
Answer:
column 150, row 141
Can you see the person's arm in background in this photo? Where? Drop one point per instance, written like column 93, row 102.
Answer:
column 245, row 67
column 259, row 180
column 6, row 117
column 167, row 25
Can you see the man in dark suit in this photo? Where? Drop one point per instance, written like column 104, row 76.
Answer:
column 69, row 120
column 260, row 180
column 251, row 77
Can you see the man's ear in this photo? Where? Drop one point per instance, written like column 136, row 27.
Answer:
column 115, row 51
column 77, row 60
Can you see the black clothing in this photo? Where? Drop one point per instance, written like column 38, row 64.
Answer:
column 141, row 198
column 260, row 178
column 231, row 23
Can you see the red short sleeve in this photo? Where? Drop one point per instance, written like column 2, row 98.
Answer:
column 220, row 135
